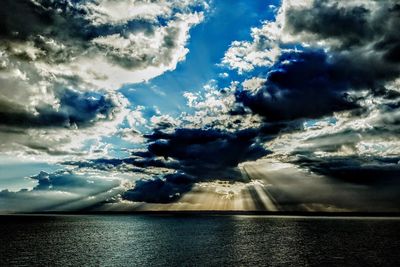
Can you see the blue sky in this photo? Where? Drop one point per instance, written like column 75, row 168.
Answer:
column 207, row 45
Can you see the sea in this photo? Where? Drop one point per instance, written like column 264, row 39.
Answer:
column 198, row 240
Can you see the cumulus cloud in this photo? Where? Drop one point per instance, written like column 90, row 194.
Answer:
column 262, row 51
column 61, row 61
column 297, row 79
column 64, row 39
column 62, row 130
column 366, row 29
column 217, row 108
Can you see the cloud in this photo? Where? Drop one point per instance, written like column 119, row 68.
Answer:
column 371, row 25
column 372, row 132
column 372, row 171
column 326, row 103
column 157, row 190
column 61, row 62
column 261, row 51
column 61, row 130
column 299, row 189
column 173, row 162
column 215, row 107
column 62, row 190
column 293, row 85
column 65, row 39
column 334, row 70
column 367, row 30
column 101, row 12
column 176, row 161
column 75, row 109
column 207, row 154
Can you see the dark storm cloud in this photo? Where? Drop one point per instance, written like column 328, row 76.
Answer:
column 26, row 20
column 353, row 25
column 75, row 109
column 329, row 20
column 208, row 154
column 372, row 171
column 312, row 84
column 196, row 155
column 158, row 190
column 301, row 85
column 140, row 160
column 201, row 153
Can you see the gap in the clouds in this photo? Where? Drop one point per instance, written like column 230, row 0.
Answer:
column 120, row 148
column 226, row 22
column 311, row 123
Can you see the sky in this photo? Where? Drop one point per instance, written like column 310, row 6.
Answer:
column 134, row 105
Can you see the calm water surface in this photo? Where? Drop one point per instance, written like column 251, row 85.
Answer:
column 142, row 240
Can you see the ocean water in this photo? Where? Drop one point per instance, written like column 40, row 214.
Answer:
column 197, row 240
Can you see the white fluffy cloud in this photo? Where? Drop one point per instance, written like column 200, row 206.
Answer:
column 121, row 11
column 213, row 108
column 85, row 50
column 261, row 51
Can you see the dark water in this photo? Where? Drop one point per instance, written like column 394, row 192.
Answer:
column 197, row 241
